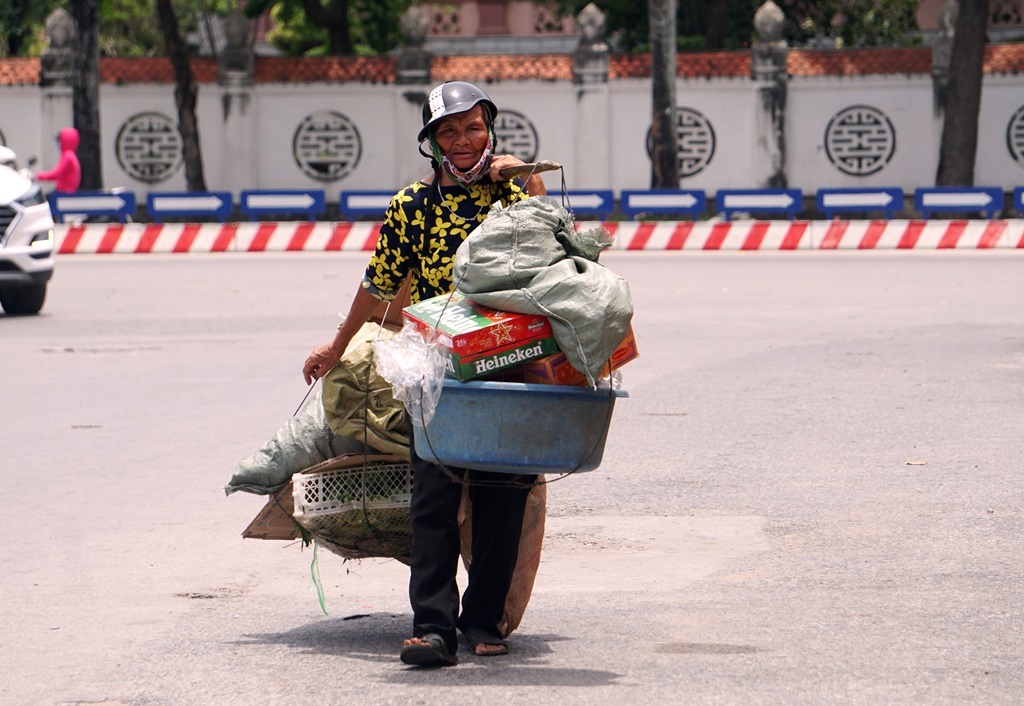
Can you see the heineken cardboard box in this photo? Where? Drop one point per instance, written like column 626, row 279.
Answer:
column 556, row 370
column 477, row 340
column 498, row 358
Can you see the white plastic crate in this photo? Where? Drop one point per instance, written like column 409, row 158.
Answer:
column 373, row 486
column 357, row 506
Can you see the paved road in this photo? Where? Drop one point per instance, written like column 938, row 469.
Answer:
column 812, row 494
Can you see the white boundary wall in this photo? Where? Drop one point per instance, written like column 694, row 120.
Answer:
column 597, row 132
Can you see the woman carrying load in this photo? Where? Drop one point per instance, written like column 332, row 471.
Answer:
column 423, row 227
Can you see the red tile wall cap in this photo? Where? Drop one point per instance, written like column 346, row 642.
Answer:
column 1004, row 59
column 330, row 69
column 325, row 69
column 859, row 62
column 629, row 66
column 999, row 59
column 19, row 71
column 152, row 69
column 502, row 67
column 718, row 64
column 721, row 64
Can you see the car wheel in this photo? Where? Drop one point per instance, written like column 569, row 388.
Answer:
column 19, row 301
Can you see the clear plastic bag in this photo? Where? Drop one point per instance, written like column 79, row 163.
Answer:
column 613, row 381
column 415, row 369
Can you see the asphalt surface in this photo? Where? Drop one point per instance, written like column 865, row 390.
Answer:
column 812, row 494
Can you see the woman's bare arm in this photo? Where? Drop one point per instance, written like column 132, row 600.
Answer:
column 325, row 357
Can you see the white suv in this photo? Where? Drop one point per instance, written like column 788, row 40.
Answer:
column 26, row 242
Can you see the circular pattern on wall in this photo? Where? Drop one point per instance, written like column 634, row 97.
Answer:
column 515, row 135
column 327, row 145
column 149, row 147
column 1015, row 136
column 860, row 140
column 695, row 141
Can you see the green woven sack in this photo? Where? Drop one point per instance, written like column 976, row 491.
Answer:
column 359, row 403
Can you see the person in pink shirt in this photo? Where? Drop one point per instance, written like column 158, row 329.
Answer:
column 68, row 172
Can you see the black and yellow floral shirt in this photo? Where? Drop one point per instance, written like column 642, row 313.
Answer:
column 414, row 242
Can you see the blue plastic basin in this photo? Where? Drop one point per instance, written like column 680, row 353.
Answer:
column 510, row 427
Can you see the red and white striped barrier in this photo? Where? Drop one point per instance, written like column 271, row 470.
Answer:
column 629, row 235
column 816, row 235
column 214, row 237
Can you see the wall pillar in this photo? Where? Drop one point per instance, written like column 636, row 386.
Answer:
column 591, row 168
column 56, row 66
column 768, row 71
column 239, row 165
column 412, row 63
column 412, row 75
column 236, row 69
column 942, row 55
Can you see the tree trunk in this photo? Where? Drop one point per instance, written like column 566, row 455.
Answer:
column 692, row 16
column 664, row 152
column 85, row 92
column 333, row 18
column 185, row 92
column 718, row 25
column 963, row 97
column 17, row 41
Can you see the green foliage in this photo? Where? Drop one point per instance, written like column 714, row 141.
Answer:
column 21, row 26
column 372, row 25
column 626, row 20
column 691, row 42
column 628, row 28
column 851, row 23
column 291, row 33
column 741, row 24
column 838, row 23
column 128, row 28
column 695, row 19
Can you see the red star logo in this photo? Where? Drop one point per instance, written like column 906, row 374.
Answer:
column 502, row 333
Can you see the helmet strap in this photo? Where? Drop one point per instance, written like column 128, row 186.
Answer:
column 469, row 176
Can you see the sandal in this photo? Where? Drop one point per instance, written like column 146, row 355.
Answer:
column 430, row 651
column 480, row 636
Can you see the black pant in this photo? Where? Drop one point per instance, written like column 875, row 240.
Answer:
column 497, row 522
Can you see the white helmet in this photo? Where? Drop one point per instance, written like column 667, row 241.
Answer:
column 7, row 157
column 451, row 98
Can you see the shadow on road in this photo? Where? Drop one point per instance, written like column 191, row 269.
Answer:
column 510, row 674
column 377, row 637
